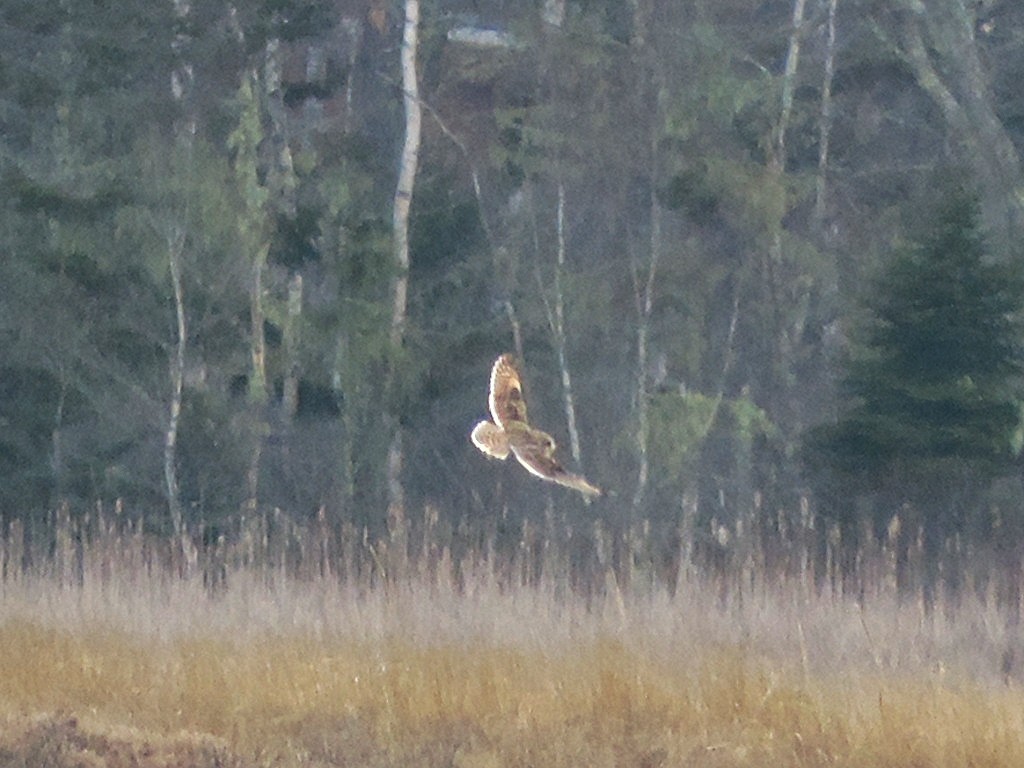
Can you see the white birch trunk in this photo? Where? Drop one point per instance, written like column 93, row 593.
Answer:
column 400, row 225
column 777, row 168
column 643, row 286
column 188, row 552
column 558, row 328
column 644, row 296
column 175, row 246
column 407, row 170
column 554, row 310
column 182, row 82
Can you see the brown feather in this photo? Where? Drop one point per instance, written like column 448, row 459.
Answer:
column 491, row 439
column 511, row 432
column 506, row 392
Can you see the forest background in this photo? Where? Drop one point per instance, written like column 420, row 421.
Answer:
column 699, row 225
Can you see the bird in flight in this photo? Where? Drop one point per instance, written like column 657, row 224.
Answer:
column 510, row 432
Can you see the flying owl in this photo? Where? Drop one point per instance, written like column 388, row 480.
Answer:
column 510, row 432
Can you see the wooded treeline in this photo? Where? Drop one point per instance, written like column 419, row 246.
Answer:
column 701, row 224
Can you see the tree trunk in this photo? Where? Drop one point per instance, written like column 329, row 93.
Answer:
column 501, row 273
column 939, row 45
column 57, row 439
column 189, row 553
column 400, row 225
column 644, row 296
column 275, row 192
column 825, row 123
column 772, row 261
column 257, row 377
column 788, row 85
column 256, row 183
column 644, row 276
column 181, row 85
column 407, row 171
column 354, row 32
column 558, row 328
column 290, row 396
column 175, row 246
column 346, row 460
column 554, row 310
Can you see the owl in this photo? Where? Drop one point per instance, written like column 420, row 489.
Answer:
column 510, row 432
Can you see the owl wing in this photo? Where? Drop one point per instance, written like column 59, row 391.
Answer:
column 491, row 439
column 506, row 392
column 540, row 461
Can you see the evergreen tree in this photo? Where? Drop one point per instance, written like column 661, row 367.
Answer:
column 934, row 376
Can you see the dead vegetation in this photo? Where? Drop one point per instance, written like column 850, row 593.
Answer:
column 114, row 655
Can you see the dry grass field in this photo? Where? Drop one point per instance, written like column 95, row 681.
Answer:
column 108, row 657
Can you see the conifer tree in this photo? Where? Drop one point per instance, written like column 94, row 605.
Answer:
column 934, row 376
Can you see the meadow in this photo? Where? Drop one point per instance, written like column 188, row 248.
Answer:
column 309, row 647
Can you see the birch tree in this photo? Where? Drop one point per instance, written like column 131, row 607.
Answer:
column 781, row 343
column 644, row 283
column 181, row 84
column 175, row 249
column 554, row 308
column 400, row 227
column 254, row 240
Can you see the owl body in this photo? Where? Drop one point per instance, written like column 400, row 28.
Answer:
column 511, row 433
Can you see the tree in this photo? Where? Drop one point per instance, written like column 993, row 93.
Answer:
column 934, row 376
column 402, row 202
column 937, row 41
column 78, row 333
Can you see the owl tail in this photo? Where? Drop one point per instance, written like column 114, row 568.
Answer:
column 581, row 484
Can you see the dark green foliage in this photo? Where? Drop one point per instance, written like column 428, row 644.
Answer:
column 934, row 376
column 651, row 127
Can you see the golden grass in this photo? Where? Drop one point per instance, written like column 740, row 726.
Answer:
column 120, row 661
column 97, row 694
